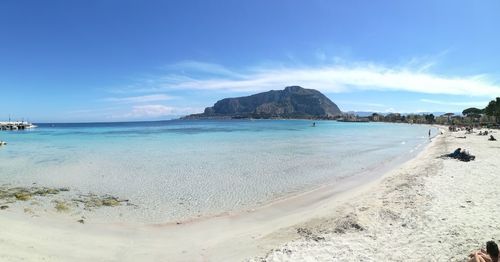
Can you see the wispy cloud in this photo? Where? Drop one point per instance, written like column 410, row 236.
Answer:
column 320, row 55
column 139, row 99
column 153, row 111
column 451, row 103
column 202, row 67
column 426, row 62
column 330, row 78
column 365, row 104
column 150, row 111
column 135, row 112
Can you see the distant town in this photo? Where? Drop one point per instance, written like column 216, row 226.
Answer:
column 489, row 117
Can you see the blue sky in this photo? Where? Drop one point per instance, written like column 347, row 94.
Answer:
column 119, row 60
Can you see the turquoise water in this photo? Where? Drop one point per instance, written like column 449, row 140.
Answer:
column 178, row 169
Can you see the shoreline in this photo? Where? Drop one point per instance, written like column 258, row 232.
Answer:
column 330, row 189
column 430, row 209
column 236, row 236
column 172, row 206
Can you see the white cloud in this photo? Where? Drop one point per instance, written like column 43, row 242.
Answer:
column 197, row 66
column 320, row 55
column 152, row 111
column 449, row 103
column 139, row 99
column 354, row 103
column 339, row 78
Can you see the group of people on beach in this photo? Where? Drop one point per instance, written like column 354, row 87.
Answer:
column 481, row 133
column 485, row 133
column 488, row 255
column 454, row 128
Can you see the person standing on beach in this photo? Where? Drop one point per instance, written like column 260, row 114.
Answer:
column 429, row 134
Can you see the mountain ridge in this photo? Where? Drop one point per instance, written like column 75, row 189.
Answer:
column 291, row 102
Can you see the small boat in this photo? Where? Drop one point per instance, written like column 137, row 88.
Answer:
column 16, row 125
column 3, row 143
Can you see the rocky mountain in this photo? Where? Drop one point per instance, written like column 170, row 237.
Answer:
column 292, row 102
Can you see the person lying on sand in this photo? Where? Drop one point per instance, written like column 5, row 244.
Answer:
column 492, row 138
column 455, row 153
column 461, row 155
column 465, row 156
column 490, row 255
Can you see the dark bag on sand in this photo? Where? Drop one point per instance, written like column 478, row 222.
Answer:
column 466, row 158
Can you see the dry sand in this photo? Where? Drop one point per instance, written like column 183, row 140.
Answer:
column 428, row 209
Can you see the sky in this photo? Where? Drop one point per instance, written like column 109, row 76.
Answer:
column 130, row 60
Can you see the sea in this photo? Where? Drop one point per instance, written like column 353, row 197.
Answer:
column 181, row 169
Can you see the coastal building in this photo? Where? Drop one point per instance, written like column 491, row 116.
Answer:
column 376, row 117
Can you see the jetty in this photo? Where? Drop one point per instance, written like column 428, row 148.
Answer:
column 16, row 125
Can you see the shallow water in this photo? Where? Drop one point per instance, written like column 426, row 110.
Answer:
column 180, row 169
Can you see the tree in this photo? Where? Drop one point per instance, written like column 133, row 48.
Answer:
column 493, row 109
column 449, row 116
column 430, row 118
column 472, row 111
column 490, row 108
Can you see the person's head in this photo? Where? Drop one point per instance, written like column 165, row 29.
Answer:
column 492, row 248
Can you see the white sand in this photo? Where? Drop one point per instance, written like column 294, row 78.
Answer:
column 429, row 209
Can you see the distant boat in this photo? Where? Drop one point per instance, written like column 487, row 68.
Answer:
column 16, row 125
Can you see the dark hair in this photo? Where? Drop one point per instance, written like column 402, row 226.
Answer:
column 492, row 249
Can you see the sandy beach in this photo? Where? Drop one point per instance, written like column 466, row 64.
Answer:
column 249, row 131
column 430, row 209
column 427, row 209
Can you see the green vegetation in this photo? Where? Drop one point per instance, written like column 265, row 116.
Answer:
column 472, row 112
column 23, row 196
column 62, row 203
column 493, row 109
column 61, row 206
column 488, row 116
column 398, row 118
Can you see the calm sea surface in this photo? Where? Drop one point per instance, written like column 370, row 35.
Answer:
column 178, row 169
